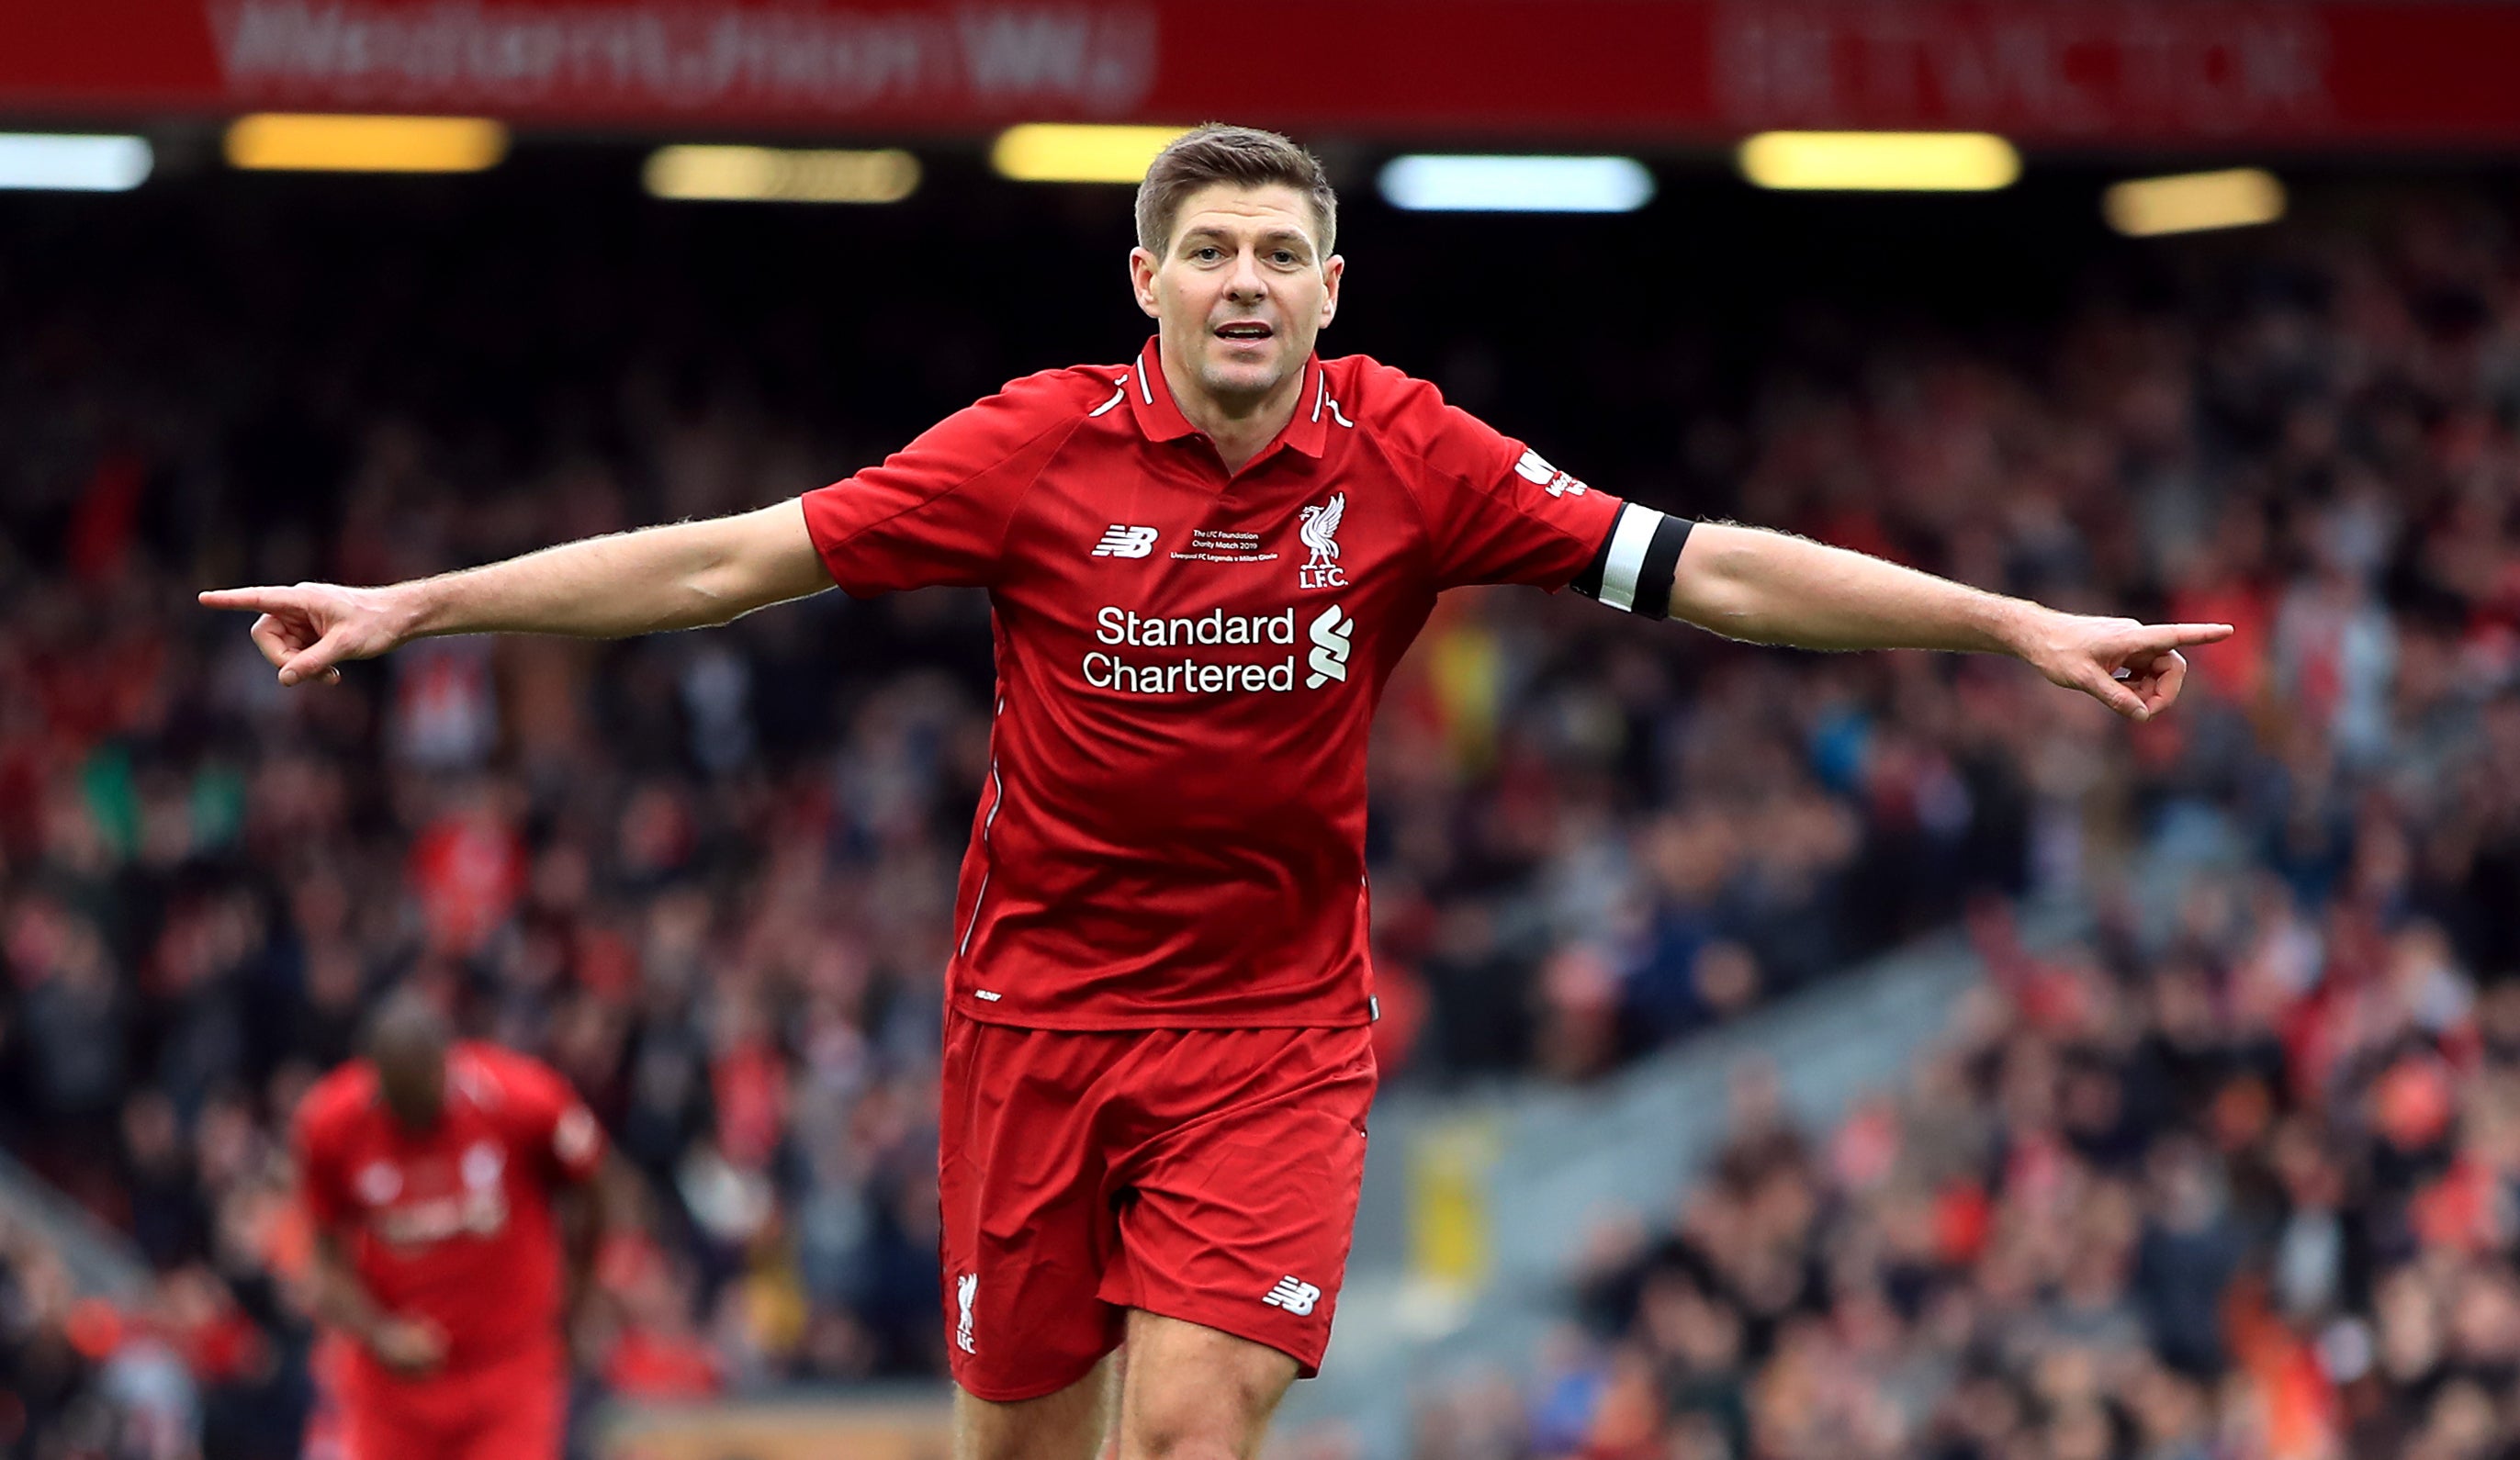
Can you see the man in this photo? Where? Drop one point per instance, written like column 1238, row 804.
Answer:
column 1204, row 564
column 430, row 1169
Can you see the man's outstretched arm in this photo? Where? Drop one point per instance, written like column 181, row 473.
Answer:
column 1773, row 588
column 689, row 575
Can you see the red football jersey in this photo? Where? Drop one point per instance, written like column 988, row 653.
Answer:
column 452, row 1225
column 1173, row 829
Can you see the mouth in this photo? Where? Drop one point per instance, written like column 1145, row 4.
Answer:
column 1244, row 332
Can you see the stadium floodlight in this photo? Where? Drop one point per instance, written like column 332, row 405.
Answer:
column 297, row 143
column 2194, row 201
column 777, row 174
column 1880, row 161
column 67, row 163
column 1429, row 183
column 1056, row 152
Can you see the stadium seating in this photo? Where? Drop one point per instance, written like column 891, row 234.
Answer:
column 710, row 876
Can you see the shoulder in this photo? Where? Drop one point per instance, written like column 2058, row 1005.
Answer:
column 499, row 1073
column 1076, row 385
column 1395, row 398
column 1409, row 416
column 333, row 1105
column 1389, row 401
column 1043, row 408
column 1053, row 398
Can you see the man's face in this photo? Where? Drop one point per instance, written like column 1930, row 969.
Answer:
column 413, row 1085
column 1241, row 291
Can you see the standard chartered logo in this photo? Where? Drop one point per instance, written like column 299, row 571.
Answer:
column 1329, row 633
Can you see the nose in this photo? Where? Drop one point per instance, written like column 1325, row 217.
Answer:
column 1246, row 285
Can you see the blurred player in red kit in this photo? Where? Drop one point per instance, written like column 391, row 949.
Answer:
column 1203, row 564
column 431, row 1171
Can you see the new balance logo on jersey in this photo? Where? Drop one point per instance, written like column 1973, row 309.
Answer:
column 1120, row 539
column 1320, row 535
column 966, row 1289
column 1331, row 647
column 1294, row 1297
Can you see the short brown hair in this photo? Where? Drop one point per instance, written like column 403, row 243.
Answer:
column 1215, row 153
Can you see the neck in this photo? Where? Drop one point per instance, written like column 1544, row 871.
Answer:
column 1239, row 426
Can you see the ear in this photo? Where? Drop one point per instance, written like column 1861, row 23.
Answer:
column 1334, row 269
column 1142, row 281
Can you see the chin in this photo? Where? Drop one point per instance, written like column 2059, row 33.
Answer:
column 1237, row 377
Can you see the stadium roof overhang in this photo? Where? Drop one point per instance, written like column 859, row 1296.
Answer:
column 2171, row 73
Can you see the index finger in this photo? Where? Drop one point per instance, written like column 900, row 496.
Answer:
column 255, row 599
column 2158, row 636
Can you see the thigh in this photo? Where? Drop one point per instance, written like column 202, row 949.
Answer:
column 1194, row 1389
column 1027, row 1222
column 387, row 1417
column 519, row 1410
column 1242, row 1210
column 327, row 1419
column 372, row 1430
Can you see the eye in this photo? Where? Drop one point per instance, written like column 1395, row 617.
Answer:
column 1285, row 257
column 1206, row 253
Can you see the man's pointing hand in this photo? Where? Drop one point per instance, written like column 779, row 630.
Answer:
column 309, row 631
column 2134, row 668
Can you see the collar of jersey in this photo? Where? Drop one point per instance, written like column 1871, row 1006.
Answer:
column 1151, row 400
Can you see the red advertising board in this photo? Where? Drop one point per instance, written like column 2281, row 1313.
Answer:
column 2194, row 73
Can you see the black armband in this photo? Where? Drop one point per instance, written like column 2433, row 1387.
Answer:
column 1632, row 570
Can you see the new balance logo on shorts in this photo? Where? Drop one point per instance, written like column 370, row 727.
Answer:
column 1120, row 539
column 1294, row 1297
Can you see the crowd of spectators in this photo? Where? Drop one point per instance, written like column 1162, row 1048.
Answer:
column 710, row 876
column 2236, row 1178
column 2246, row 1194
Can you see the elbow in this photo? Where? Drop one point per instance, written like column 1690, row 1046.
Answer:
column 721, row 589
column 618, row 1196
column 1717, row 586
column 707, row 603
column 752, row 561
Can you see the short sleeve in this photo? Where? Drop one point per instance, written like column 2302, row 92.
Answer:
column 1496, row 511
column 1499, row 511
column 548, row 1123
column 935, row 512
column 321, row 1185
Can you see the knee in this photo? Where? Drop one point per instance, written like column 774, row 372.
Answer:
column 1158, row 1440
column 1215, row 1421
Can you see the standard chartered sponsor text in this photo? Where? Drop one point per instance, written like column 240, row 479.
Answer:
column 1191, row 673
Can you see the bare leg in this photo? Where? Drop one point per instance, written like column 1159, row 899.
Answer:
column 1195, row 1393
column 1067, row 1425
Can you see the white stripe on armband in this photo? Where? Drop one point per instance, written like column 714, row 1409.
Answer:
column 1628, row 543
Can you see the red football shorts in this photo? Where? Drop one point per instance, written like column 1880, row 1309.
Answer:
column 1208, row 1175
column 513, row 1408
